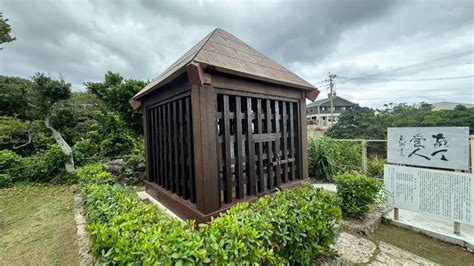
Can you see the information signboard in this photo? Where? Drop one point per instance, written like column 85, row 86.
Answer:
column 440, row 147
column 442, row 193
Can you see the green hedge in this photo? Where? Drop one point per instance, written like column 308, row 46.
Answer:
column 357, row 192
column 293, row 226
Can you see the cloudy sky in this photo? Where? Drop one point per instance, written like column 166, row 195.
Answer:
column 383, row 51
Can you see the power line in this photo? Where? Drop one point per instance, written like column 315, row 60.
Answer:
column 422, row 79
column 428, row 64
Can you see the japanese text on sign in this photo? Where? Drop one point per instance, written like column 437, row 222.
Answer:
column 441, row 147
column 442, row 193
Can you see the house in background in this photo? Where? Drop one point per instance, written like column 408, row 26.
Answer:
column 320, row 111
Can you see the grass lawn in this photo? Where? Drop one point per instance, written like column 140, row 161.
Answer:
column 424, row 246
column 38, row 225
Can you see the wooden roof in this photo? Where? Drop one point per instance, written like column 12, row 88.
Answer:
column 223, row 52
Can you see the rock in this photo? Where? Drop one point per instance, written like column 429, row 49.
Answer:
column 140, row 167
column 369, row 224
column 115, row 166
column 355, row 249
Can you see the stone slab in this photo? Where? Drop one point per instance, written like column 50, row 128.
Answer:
column 435, row 227
column 330, row 187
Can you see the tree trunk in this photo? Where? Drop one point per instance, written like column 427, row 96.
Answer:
column 65, row 148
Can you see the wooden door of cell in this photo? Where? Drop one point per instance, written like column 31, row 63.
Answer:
column 258, row 144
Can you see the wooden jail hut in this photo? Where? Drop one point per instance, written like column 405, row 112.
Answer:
column 223, row 124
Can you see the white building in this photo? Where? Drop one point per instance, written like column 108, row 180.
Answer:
column 320, row 111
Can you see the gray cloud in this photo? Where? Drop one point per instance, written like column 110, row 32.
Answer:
column 83, row 39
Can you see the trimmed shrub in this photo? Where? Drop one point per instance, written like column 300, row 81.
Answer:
column 357, row 192
column 291, row 226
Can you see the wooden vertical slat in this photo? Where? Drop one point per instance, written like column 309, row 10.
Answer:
column 261, row 183
column 157, row 146
column 239, row 165
column 285, row 142
column 277, row 144
column 160, row 142
column 270, row 153
column 251, row 189
column 169, row 156
column 190, row 181
column 164, row 131
column 292, row 141
column 151, row 147
column 176, row 185
column 227, row 155
column 181, row 147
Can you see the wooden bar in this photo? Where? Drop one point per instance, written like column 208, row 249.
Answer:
column 169, row 156
column 251, row 183
column 227, row 154
column 160, row 141
column 285, row 142
column 292, row 141
column 260, row 183
column 277, row 144
column 239, row 166
column 270, row 144
column 182, row 164
column 157, row 143
column 190, row 180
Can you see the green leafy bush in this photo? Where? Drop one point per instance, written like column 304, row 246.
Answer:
column 327, row 157
column 10, row 164
column 5, row 180
column 375, row 167
column 291, row 226
column 357, row 192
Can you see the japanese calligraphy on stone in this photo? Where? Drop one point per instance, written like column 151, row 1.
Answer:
column 445, row 194
column 441, row 147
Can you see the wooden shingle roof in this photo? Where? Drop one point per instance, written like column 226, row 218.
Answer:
column 225, row 53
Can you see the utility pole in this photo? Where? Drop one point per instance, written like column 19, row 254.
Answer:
column 331, row 78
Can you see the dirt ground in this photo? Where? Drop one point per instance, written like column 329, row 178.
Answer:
column 38, row 225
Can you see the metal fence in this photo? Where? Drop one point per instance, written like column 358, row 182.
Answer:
column 371, row 149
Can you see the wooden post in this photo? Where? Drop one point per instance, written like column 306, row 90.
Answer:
column 364, row 156
column 205, row 146
column 304, row 140
column 396, row 214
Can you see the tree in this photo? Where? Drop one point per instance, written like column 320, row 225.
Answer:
column 48, row 92
column 359, row 122
column 460, row 116
column 5, row 31
column 15, row 97
column 115, row 92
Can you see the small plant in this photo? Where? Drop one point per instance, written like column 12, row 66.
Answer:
column 357, row 192
column 375, row 167
column 321, row 165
